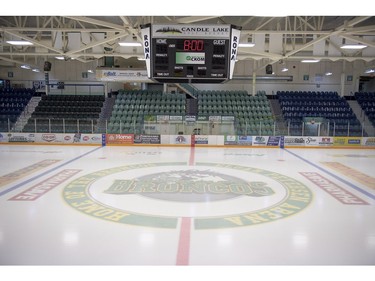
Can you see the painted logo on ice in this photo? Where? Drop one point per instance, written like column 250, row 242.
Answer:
column 218, row 195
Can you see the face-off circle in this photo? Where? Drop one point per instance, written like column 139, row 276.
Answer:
column 216, row 195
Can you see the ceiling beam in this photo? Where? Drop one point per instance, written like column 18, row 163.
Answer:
column 16, row 61
column 35, row 42
column 98, row 22
column 359, row 40
column 97, row 43
column 194, row 19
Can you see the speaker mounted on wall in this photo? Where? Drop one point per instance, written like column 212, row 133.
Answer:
column 269, row 69
column 47, row 66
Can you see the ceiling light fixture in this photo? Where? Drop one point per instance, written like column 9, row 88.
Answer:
column 130, row 44
column 246, row 45
column 19, row 43
column 35, row 70
column 309, row 61
column 328, row 73
column 25, row 66
column 284, row 69
column 60, row 58
column 370, row 71
column 353, row 47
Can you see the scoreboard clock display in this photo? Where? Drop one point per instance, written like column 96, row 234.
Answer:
column 190, row 53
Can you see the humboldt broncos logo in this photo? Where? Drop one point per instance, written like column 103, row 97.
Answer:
column 214, row 195
column 189, row 186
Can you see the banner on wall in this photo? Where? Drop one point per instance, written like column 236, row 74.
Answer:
column 124, row 75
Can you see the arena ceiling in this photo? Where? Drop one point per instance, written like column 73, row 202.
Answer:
column 91, row 38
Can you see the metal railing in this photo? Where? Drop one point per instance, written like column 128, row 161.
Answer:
column 258, row 128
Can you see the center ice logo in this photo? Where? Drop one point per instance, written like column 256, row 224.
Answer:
column 190, row 186
column 218, row 195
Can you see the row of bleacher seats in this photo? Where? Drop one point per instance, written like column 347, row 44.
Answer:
column 75, row 112
column 74, row 98
column 131, row 107
column 17, row 91
column 367, row 102
column 63, row 109
column 60, row 126
column 329, row 105
column 250, row 111
column 318, row 94
column 12, row 104
column 68, row 103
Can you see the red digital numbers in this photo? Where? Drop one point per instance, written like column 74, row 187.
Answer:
column 193, row 45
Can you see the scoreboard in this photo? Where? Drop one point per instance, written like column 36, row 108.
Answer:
column 190, row 53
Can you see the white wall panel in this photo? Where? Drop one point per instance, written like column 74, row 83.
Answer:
column 57, row 37
column 332, row 50
column 74, row 42
column 98, row 37
column 319, row 47
column 369, row 51
column 276, row 43
column 260, row 42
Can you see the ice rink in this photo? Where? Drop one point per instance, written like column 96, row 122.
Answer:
column 122, row 205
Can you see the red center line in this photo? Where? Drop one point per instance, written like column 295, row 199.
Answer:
column 183, row 252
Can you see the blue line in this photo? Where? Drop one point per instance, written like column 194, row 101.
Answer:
column 45, row 173
column 368, row 194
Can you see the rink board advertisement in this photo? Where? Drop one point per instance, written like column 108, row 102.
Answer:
column 213, row 140
column 368, row 141
column 297, row 141
column 147, row 139
column 68, row 138
column 238, row 140
column 266, row 141
column 46, row 138
column 179, row 139
column 198, row 139
column 120, row 138
column 346, row 141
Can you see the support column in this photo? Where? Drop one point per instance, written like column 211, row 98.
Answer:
column 254, row 83
column 342, row 84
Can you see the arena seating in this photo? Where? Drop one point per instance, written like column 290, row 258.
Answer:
column 253, row 114
column 69, row 113
column 335, row 109
column 12, row 104
column 131, row 107
column 367, row 102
